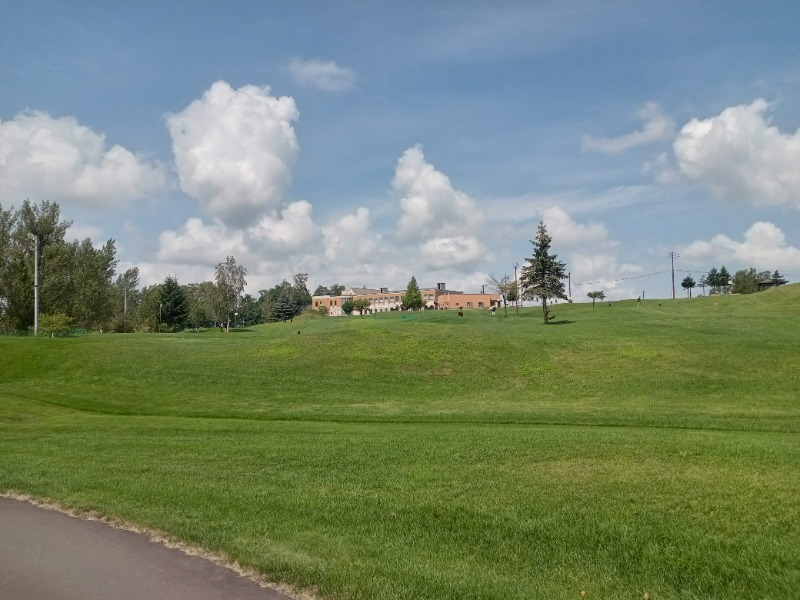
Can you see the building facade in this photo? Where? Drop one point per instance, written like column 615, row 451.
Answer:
column 385, row 300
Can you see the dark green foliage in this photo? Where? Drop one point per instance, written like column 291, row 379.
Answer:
column 75, row 278
column 542, row 277
column 348, row 306
column 173, row 305
column 413, row 298
column 688, row 283
column 284, row 309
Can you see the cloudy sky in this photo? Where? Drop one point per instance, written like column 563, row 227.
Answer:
column 365, row 142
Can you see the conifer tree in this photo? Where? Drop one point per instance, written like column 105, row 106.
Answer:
column 542, row 277
column 413, row 297
column 173, row 305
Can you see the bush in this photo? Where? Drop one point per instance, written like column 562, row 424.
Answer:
column 55, row 324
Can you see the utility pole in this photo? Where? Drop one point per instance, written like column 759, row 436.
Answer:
column 36, row 285
column 516, row 289
column 672, row 256
column 569, row 283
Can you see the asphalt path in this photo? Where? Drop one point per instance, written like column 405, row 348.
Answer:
column 49, row 555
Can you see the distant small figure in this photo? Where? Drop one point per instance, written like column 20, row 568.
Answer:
column 298, row 332
column 609, row 302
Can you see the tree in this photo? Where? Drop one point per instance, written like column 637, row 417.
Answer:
column 172, row 304
column 688, row 283
column 703, row 281
column 230, row 286
column 542, row 277
column 596, row 295
column 301, row 297
column 505, row 286
column 337, row 289
column 322, row 291
column 724, row 280
column 745, row 281
column 778, row 279
column 361, row 304
column 413, row 298
column 348, row 307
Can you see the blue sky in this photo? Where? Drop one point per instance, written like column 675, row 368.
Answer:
column 365, row 142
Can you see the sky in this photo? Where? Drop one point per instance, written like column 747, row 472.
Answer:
column 364, row 143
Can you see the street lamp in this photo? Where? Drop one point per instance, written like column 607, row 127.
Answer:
column 516, row 289
column 235, row 319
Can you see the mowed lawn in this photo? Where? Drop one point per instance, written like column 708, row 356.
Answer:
column 620, row 451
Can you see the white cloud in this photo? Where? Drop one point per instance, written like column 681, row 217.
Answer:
column 454, row 251
column 567, row 233
column 43, row 157
column 234, row 151
column 349, row 238
column 429, row 203
column 287, row 231
column 740, row 157
column 81, row 231
column 764, row 247
column 198, row 243
column 323, row 74
column 657, row 127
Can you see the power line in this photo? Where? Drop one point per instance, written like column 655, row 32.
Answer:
column 622, row 278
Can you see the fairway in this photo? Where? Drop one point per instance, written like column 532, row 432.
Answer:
column 619, row 451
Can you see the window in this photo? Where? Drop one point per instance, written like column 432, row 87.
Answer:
column 469, row 304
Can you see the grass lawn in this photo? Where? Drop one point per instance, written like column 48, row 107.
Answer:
column 618, row 451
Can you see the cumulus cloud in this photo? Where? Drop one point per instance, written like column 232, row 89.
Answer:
column 570, row 234
column 657, row 127
column 198, row 243
column 740, row 157
column 286, row 231
column 59, row 159
column 234, row 151
column 442, row 220
column 764, row 247
column 325, row 75
column 452, row 251
column 349, row 238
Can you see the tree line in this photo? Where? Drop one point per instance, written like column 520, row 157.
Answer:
column 79, row 287
column 744, row 281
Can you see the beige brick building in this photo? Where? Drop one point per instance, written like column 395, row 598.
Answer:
column 384, row 300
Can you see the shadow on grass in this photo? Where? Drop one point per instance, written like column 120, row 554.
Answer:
column 239, row 330
column 562, row 322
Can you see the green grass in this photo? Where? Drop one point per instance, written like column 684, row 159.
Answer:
column 622, row 450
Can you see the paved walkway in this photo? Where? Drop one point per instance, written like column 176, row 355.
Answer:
column 45, row 554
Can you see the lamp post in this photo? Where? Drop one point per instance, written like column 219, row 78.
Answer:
column 516, row 290
column 235, row 319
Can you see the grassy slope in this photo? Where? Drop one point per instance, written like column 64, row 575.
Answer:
column 626, row 450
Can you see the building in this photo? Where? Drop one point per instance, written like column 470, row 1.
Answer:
column 384, row 300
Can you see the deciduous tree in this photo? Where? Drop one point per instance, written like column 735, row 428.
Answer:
column 230, row 287
column 688, row 283
column 596, row 295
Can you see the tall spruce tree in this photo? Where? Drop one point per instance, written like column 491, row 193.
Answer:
column 542, row 277
column 173, row 305
column 413, row 298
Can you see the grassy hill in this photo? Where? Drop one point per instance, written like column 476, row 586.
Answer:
column 622, row 449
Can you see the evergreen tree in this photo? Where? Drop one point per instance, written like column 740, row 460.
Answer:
column 542, row 277
column 173, row 305
column 413, row 298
